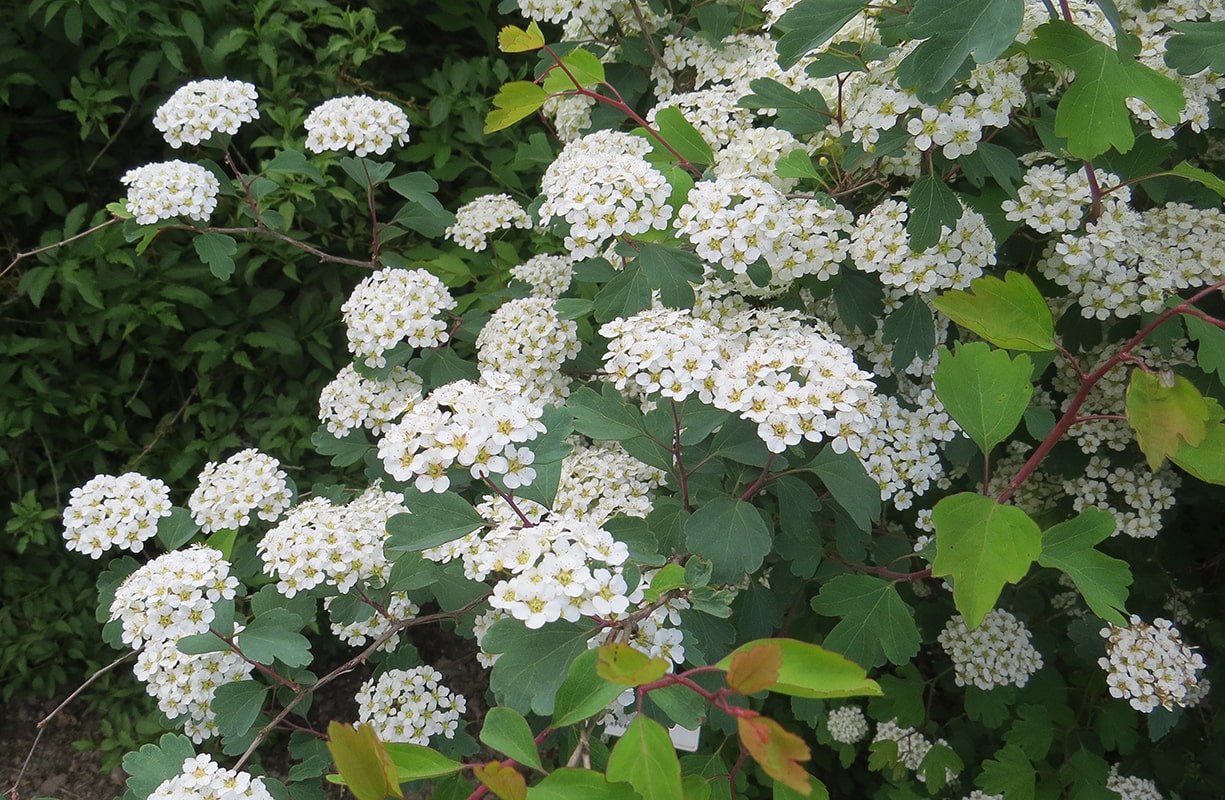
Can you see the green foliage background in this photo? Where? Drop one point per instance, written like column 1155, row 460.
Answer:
column 117, row 361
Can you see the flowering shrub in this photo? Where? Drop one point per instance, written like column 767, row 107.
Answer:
column 843, row 357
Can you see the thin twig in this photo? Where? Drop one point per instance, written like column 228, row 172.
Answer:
column 60, row 243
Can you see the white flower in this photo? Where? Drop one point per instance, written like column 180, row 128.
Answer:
column 360, row 124
column 248, row 481
column 393, row 306
column 114, row 511
column 847, row 724
column 172, row 596
column 202, row 778
column 1149, row 665
column 170, row 189
column 201, row 108
column 410, row 706
column 485, row 215
column 352, row 400
column 996, row 653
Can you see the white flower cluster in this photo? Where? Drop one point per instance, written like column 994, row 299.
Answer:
column 248, row 481
column 184, row 685
column 996, row 653
column 736, row 221
column 847, row 724
column 996, row 89
column 548, row 275
column 480, row 626
column 202, row 778
column 464, row 424
column 201, row 108
column 1134, row 496
column 360, row 124
column 395, row 305
column 756, row 152
column 603, row 187
column 1149, row 665
column 1128, row 262
column 1129, row 787
column 352, row 400
column 319, row 543
column 601, row 481
column 410, row 705
column 902, row 450
column 528, row 342
column 570, row 113
column 168, row 598
column 576, row 15
column 114, row 511
column 560, row 568
column 715, row 112
column 1051, row 198
column 172, row 596
column 356, row 633
column 170, row 189
column 912, row 746
column 486, row 214
column 979, row 794
column 880, row 244
column 790, row 377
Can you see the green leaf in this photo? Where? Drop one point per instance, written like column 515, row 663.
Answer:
column 645, row 759
column 625, row 665
column 954, row 30
column 796, row 164
column 859, row 298
column 1165, row 410
column 876, row 623
column 433, row 519
column 345, row 452
column 1202, row 176
column 682, row 136
column 1093, row 112
column 506, row 731
column 671, row 271
column 154, row 763
column 605, row 416
column 849, row 484
column 1033, row 731
column 911, row 330
column 731, row 535
column 1009, row 774
column 810, row 24
column 366, row 172
column 513, row 102
column 415, row 762
column 809, row 670
column 293, row 162
column 999, row 162
column 274, row 636
column 1197, row 46
column 176, row 529
column 237, row 706
column 568, row 783
column 1009, row 313
column 933, row 206
column 982, row 545
column 363, row 762
column 1086, row 775
column 1101, row 580
column 625, row 295
column 585, row 68
column 534, row 663
column 216, row 250
column 936, row 766
column 1206, row 461
column 419, row 187
column 584, row 693
column 986, row 391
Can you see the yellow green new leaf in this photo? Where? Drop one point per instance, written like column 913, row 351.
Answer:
column 579, row 69
column 513, row 102
column 809, row 670
column 1206, row 460
column 363, row 762
column 1165, row 410
column 1071, row 547
column 982, row 545
column 503, row 781
column 624, row 665
column 1093, row 112
column 512, row 39
column 1009, row 313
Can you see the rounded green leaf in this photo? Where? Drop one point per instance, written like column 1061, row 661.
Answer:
column 506, row 731
column 1009, row 313
column 986, row 391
